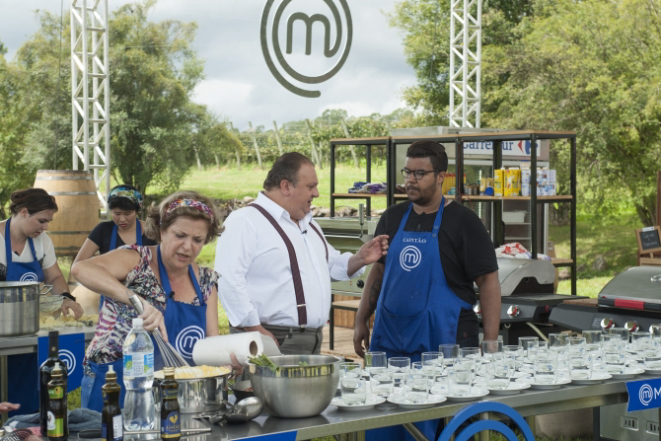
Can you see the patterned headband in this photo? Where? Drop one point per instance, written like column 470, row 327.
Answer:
column 192, row 203
column 128, row 193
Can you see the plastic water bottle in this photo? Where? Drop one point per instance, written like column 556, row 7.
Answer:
column 139, row 408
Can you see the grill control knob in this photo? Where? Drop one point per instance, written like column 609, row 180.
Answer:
column 477, row 309
column 655, row 330
column 607, row 323
column 513, row 311
column 631, row 326
column 360, row 284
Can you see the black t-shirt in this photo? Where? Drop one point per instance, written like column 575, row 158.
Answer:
column 102, row 234
column 465, row 246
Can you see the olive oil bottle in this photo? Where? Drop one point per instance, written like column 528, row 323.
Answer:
column 112, row 426
column 170, row 417
column 57, row 427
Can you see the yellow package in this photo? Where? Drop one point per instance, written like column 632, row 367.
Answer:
column 498, row 182
column 512, row 182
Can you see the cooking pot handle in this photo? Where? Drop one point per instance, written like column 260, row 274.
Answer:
column 48, row 289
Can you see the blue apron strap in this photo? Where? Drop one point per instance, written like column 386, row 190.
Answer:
column 165, row 280
column 8, row 242
column 113, row 238
column 138, row 233
column 196, row 285
column 34, row 251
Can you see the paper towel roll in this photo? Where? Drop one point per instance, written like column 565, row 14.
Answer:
column 215, row 351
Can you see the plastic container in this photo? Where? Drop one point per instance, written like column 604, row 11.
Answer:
column 139, row 407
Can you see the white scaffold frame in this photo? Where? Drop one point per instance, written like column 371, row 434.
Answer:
column 465, row 63
column 89, row 26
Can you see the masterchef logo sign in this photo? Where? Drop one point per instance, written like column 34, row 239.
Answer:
column 410, row 257
column 644, row 394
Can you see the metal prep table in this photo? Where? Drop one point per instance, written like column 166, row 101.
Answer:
column 26, row 344
column 333, row 421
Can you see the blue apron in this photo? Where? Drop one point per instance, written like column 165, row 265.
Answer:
column 91, row 396
column 113, row 244
column 417, row 311
column 23, row 369
column 185, row 323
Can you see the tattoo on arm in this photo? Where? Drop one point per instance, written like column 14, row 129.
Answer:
column 375, row 291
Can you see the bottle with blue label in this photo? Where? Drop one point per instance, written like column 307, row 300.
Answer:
column 170, row 417
column 139, row 408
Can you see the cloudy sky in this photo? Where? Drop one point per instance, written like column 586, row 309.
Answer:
column 238, row 83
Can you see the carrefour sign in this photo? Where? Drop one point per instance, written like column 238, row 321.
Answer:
column 510, row 148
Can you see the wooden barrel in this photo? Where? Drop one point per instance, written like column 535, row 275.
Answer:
column 78, row 207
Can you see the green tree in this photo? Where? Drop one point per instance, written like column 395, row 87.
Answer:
column 593, row 67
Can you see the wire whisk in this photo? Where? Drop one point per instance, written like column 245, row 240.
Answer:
column 171, row 358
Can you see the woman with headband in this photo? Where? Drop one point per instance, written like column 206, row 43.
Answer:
column 124, row 203
column 178, row 296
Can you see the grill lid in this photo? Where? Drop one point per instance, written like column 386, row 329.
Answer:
column 633, row 288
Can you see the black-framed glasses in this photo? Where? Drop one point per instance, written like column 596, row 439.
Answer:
column 418, row 174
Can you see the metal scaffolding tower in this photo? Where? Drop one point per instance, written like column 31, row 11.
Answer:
column 465, row 63
column 91, row 111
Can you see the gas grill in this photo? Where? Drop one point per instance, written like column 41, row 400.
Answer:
column 527, row 297
column 632, row 300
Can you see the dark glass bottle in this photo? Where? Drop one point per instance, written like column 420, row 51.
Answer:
column 57, row 427
column 112, row 426
column 170, row 418
column 45, row 377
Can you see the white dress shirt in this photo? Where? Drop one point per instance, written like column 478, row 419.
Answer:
column 256, row 285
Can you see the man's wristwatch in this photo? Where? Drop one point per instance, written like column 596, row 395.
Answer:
column 68, row 296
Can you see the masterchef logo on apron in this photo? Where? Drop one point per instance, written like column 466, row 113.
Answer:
column 187, row 338
column 410, row 257
column 29, row 277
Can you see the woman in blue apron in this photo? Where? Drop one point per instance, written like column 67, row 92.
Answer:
column 178, row 297
column 124, row 204
column 29, row 256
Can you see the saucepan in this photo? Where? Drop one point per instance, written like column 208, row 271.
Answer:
column 20, row 305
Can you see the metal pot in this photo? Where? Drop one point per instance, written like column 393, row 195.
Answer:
column 19, row 308
column 198, row 395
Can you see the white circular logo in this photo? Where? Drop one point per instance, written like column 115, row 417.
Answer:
column 69, row 359
column 410, row 257
column 29, row 277
column 645, row 394
column 186, row 340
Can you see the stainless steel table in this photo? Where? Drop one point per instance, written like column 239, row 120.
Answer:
column 27, row 344
column 334, row 421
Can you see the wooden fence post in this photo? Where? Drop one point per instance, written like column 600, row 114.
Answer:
column 277, row 138
column 254, row 141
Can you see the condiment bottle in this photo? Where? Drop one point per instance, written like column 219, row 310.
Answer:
column 170, row 418
column 112, row 426
column 57, row 427
column 45, row 377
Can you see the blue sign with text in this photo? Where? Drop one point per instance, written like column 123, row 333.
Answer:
column 283, row 436
column 644, row 394
column 72, row 351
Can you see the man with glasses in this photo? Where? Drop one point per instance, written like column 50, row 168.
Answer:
column 422, row 291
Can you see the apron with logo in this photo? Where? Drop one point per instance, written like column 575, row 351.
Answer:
column 417, row 311
column 185, row 323
column 113, row 244
column 23, row 368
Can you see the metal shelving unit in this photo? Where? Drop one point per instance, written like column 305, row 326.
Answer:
column 458, row 140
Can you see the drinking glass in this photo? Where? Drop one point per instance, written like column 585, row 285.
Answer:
column 639, row 340
column 622, row 332
column 472, row 353
column 501, row 370
column 383, row 385
column 546, row 365
column 460, row 377
column 514, row 352
column 450, row 353
column 613, row 354
column 432, row 365
column 652, row 354
column 399, row 366
column 352, row 385
column 417, row 384
column 655, row 330
column 490, row 347
column 580, row 365
column 527, row 343
column 375, row 363
column 558, row 343
column 593, row 342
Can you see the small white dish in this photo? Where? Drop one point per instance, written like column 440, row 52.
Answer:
column 521, row 375
column 544, row 386
column 401, row 401
column 476, row 392
column 513, row 389
column 629, row 373
column 652, row 371
column 369, row 404
column 596, row 378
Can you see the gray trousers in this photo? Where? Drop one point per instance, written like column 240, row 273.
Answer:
column 294, row 341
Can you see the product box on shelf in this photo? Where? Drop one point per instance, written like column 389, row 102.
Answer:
column 499, row 182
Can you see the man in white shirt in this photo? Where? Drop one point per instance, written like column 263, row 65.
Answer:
column 276, row 266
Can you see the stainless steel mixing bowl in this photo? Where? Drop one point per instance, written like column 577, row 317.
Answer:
column 302, row 386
